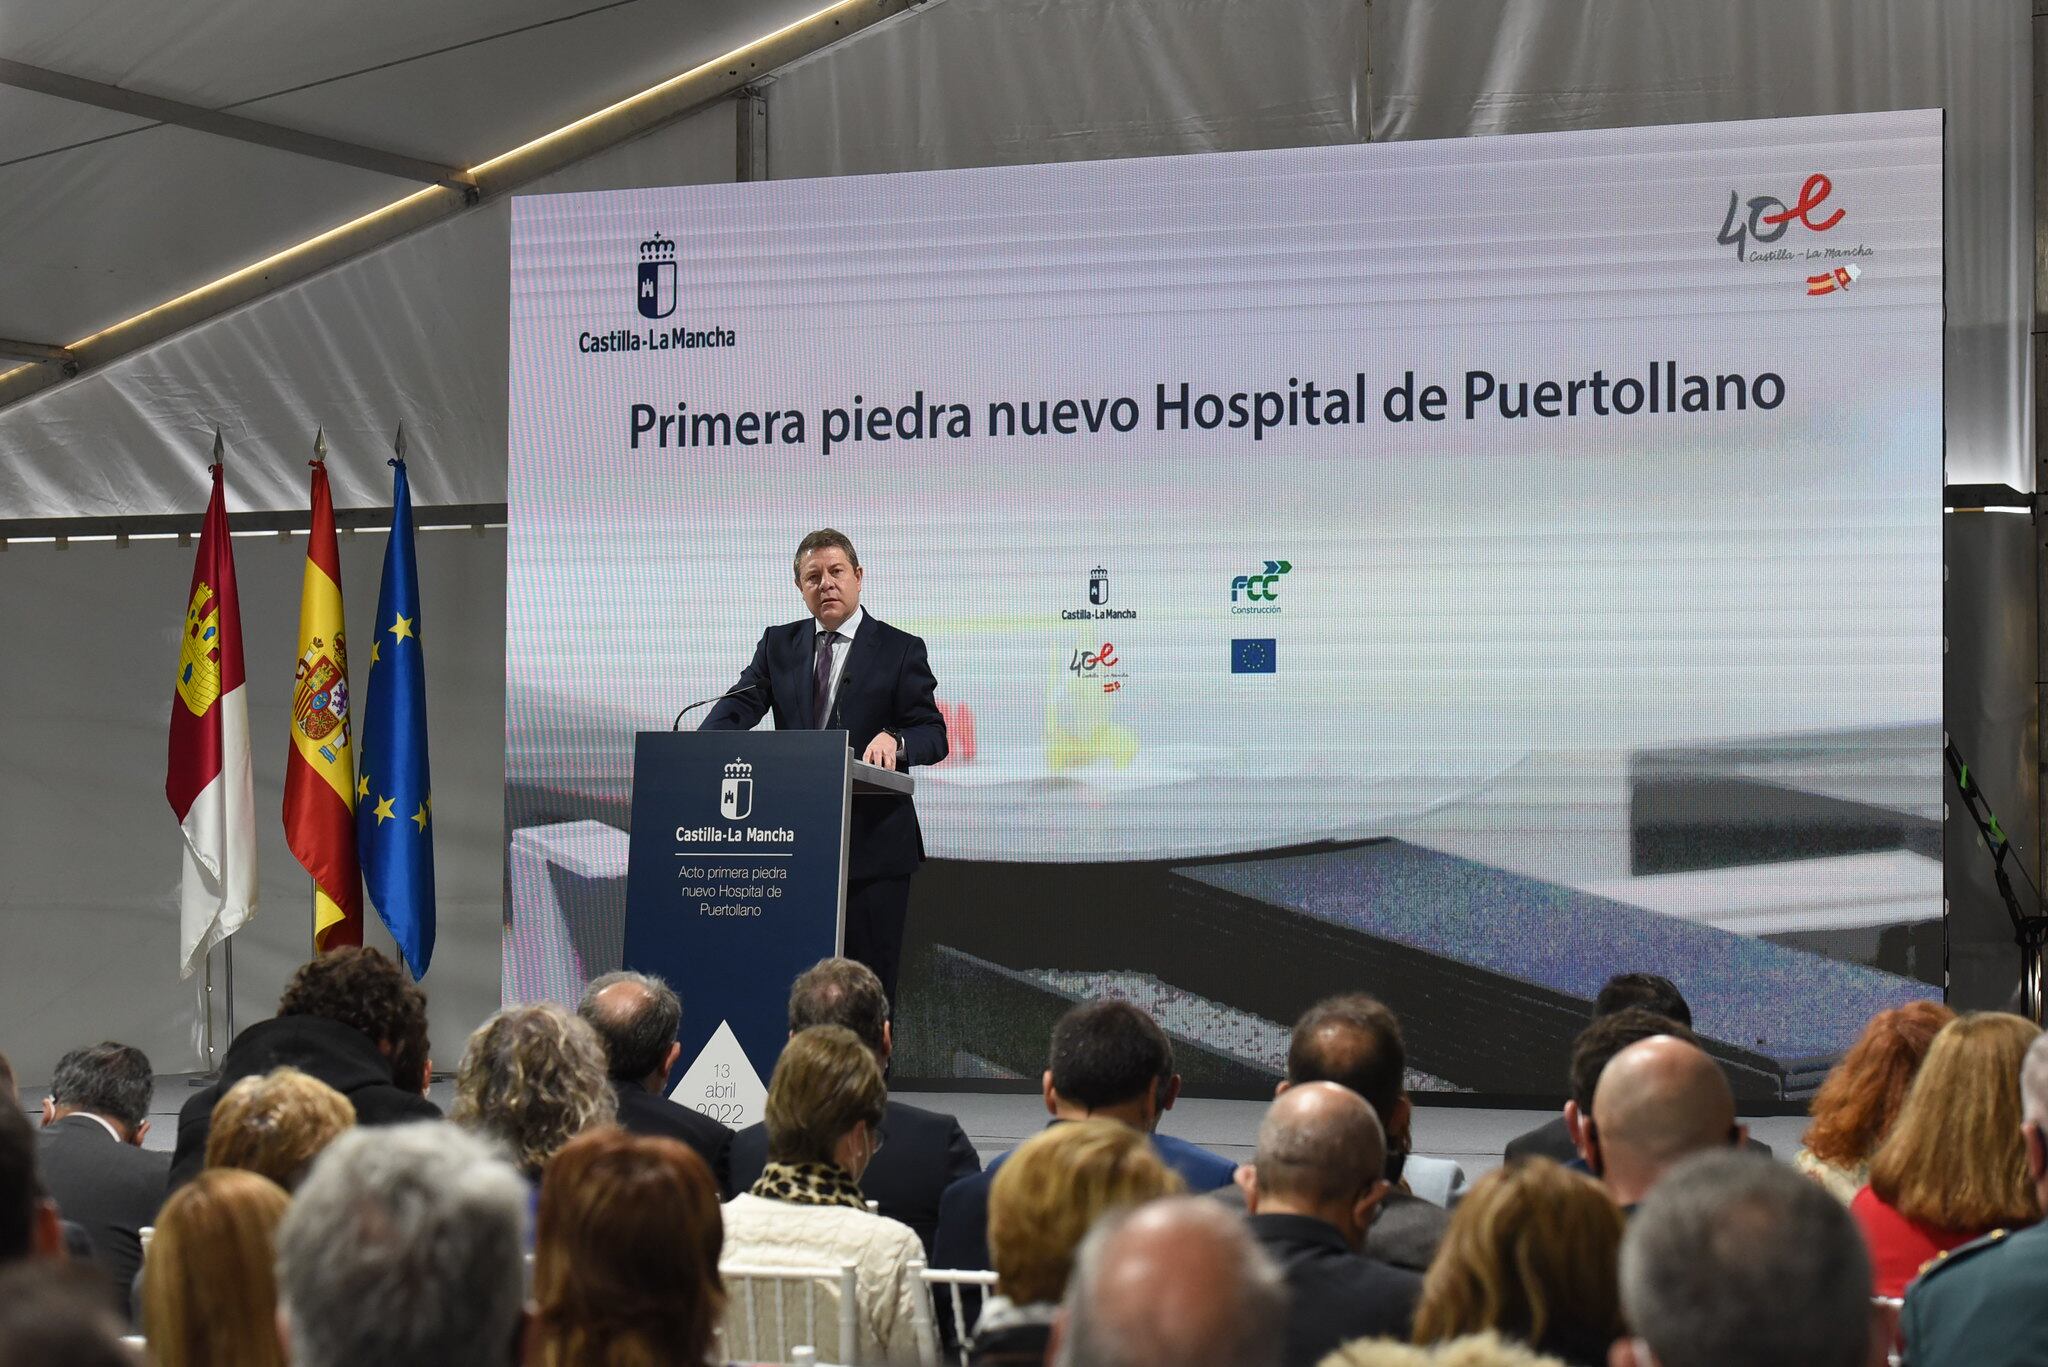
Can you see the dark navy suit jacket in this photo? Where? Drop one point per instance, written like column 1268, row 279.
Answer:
column 886, row 684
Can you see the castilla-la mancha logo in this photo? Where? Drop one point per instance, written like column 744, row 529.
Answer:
column 736, row 794
column 657, row 279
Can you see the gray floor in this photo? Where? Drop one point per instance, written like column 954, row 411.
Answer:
column 997, row 1123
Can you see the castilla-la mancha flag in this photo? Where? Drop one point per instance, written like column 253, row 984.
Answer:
column 319, row 770
column 208, row 781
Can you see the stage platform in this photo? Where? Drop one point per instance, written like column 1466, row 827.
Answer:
column 998, row 1122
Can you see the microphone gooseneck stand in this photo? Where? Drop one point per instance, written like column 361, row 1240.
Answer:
column 2030, row 932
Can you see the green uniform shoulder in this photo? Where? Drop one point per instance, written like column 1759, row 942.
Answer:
column 1963, row 1253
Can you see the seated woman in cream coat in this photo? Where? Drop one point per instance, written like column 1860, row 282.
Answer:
column 824, row 1111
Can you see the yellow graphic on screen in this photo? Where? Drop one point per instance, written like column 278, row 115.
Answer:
column 1079, row 706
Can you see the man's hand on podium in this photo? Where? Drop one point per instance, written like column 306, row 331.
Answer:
column 881, row 752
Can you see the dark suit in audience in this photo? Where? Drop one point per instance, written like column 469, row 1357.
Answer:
column 1335, row 1295
column 1552, row 1139
column 922, row 1154
column 109, row 1188
column 643, row 1112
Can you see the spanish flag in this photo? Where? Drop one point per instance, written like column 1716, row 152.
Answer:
column 208, row 779
column 319, row 772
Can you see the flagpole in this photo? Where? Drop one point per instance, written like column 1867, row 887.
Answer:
column 212, row 1061
column 227, row 954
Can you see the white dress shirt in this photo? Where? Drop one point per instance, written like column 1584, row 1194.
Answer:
column 840, row 649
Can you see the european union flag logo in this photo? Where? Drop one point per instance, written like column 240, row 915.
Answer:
column 395, row 798
column 1253, row 655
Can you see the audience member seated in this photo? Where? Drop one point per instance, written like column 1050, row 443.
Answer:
column 91, row 1155
column 625, row 1270
column 1108, row 1059
column 1652, row 992
column 56, row 1316
column 403, row 1248
column 1531, row 1256
column 825, row 1106
column 209, row 1291
column 636, row 1016
column 923, row 1152
column 1355, row 1041
column 343, row 1018
column 276, row 1125
column 533, row 1078
column 1473, row 1350
column 1658, row 1101
column 1042, row 1204
column 1856, row 1105
column 1953, row 1167
column 1738, row 1261
column 1317, row 1181
column 1175, row 1283
column 1982, row 1305
column 29, row 1224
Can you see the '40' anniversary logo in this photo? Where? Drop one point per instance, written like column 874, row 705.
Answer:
column 1101, row 666
column 1766, row 218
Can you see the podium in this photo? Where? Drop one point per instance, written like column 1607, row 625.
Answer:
column 735, row 884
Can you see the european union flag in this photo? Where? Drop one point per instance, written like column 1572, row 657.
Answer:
column 394, row 798
column 1253, row 655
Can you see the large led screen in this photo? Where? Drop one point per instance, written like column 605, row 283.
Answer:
column 1456, row 571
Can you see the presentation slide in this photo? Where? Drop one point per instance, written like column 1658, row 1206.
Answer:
column 1456, row 571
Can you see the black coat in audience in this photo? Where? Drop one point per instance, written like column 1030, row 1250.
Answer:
column 1334, row 1295
column 1553, row 1140
column 642, row 1112
column 107, row 1188
column 339, row 1055
column 1406, row 1229
column 923, row 1152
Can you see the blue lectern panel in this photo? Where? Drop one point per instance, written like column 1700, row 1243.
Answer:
column 735, row 884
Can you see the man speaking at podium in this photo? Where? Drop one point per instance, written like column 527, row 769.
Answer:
column 841, row 669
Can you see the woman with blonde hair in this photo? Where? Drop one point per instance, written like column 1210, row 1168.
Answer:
column 1045, row 1198
column 209, row 1285
column 533, row 1078
column 276, row 1124
column 1855, row 1107
column 625, row 1270
column 824, row 1117
column 1531, row 1253
column 1954, row 1166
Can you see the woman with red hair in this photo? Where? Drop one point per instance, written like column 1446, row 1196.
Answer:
column 1855, row 1107
column 625, row 1270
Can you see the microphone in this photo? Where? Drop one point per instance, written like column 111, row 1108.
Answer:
column 677, row 724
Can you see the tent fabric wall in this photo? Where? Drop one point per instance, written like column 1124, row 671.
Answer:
column 416, row 330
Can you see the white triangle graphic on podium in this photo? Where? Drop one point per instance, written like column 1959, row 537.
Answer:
column 722, row 1083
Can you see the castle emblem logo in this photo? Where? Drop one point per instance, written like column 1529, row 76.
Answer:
column 199, row 655
column 657, row 279
column 736, row 793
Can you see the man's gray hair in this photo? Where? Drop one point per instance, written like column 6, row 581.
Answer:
column 404, row 1248
column 109, row 1079
column 840, row 992
column 636, row 1035
column 2034, row 1082
column 1735, row 1258
column 1319, row 1142
column 1203, row 1294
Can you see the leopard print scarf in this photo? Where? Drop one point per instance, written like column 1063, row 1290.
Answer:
column 808, row 1184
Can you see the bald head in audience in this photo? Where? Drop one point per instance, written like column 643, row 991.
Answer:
column 1658, row 1101
column 1321, row 1154
column 1175, row 1283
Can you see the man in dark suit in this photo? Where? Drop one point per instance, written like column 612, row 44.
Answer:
column 90, row 1151
column 1355, row 1041
column 345, row 1017
column 637, row 1015
column 841, row 669
column 1107, row 1059
column 1650, row 992
column 923, row 1152
column 1315, row 1185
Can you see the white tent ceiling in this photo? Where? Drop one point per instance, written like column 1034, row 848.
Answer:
column 104, row 215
